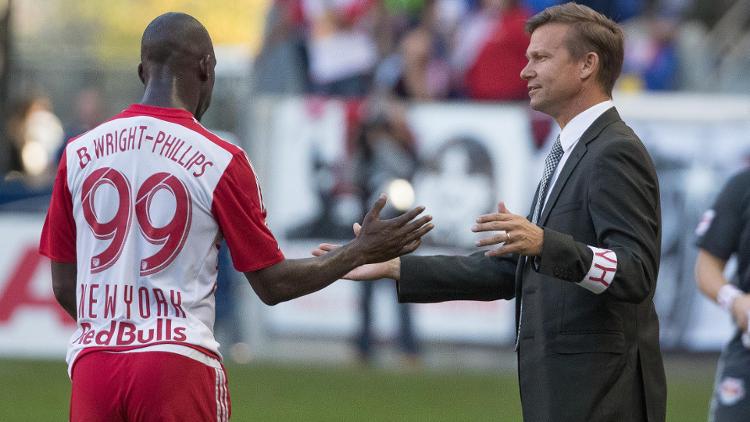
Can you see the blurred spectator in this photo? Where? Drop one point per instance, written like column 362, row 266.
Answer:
column 651, row 60
column 330, row 178
column 617, row 10
column 35, row 135
column 341, row 48
column 88, row 108
column 536, row 6
column 385, row 153
column 227, row 323
column 709, row 12
column 418, row 69
column 490, row 51
column 281, row 66
column 396, row 18
column 425, row 72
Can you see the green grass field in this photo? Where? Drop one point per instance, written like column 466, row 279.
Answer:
column 39, row 391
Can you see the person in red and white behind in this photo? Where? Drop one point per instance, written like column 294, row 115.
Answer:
column 138, row 208
column 341, row 47
column 490, row 51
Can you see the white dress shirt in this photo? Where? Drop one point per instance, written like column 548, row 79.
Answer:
column 571, row 134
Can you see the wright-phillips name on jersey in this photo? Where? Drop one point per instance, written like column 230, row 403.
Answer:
column 140, row 204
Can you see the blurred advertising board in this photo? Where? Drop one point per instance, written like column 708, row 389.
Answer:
column 468, row 158
column 32, row 324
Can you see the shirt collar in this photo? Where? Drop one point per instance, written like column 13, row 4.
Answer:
column 158, row 111
column 573, row 131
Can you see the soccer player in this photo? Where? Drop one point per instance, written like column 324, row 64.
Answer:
column 725, row 231
column 138, row 208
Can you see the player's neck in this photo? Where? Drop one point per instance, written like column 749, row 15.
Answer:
column 167, row 93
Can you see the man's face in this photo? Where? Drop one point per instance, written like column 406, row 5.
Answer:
column 552, row 74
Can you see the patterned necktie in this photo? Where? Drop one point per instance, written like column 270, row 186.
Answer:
column 550, row 164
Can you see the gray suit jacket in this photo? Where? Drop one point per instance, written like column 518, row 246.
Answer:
column 582, row 356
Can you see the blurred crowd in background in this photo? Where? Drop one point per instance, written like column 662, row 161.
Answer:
column 413, row 50
column 473, row 50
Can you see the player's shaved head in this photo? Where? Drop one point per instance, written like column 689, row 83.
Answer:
column 176, row 51
column 172, row 38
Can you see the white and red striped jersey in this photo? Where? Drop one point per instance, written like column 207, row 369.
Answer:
column 140, row 204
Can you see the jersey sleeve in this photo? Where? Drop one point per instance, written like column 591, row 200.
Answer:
column 720, row 227
column 58, row 239
column 238, row 209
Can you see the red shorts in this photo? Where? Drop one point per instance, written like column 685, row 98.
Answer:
column 147, row 386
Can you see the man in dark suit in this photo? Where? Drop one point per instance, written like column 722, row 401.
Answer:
column 583, row 265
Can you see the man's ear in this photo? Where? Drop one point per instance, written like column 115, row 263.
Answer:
column 141, row 73
column 205, row 67
column 589, row 65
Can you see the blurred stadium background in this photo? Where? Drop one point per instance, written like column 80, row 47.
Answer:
column 335, row 101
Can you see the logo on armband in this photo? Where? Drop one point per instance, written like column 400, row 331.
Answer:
column 731, row 391
column 705, row 223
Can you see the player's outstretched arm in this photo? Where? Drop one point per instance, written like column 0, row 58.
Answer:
column 64, row 285
column 378, row 241
column 368, row 272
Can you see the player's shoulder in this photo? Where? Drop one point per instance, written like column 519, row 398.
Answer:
column 741, row 178
column 739, row 184
column 223, row 140
column 220, row 140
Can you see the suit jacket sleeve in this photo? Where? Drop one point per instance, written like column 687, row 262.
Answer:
column 426, row 279
column 623, row 203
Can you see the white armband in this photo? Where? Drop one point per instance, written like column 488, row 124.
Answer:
column 602, row 271
column 726, row 296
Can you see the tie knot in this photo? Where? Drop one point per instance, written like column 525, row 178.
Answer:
column 555, row 154
column 550, row 164
column 556, row 147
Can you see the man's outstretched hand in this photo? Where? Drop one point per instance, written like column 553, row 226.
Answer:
column 389, row 267
column 515, row 234
column 380, row 240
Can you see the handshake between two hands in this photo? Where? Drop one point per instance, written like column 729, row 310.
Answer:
column 403, row 234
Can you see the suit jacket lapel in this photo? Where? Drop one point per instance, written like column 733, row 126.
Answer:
column 607, row 118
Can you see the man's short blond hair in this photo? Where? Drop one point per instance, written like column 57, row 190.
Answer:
column 591, row 32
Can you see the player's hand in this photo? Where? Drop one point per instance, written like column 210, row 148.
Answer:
column 382, row 240
column 367, row 272
column 740, row 310
column 515, row 234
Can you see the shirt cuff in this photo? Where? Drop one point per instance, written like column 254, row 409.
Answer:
column 602, row 271
column 726, row 296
